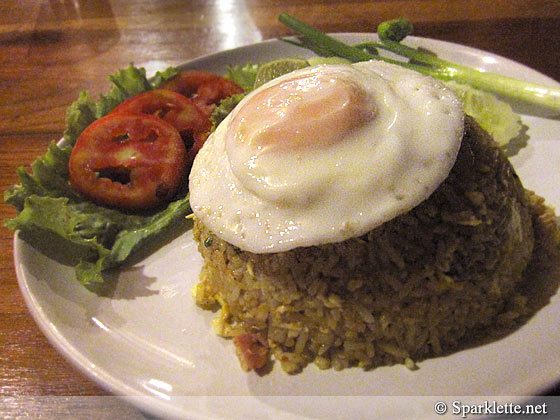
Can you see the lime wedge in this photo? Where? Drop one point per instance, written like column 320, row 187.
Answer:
column 276, row 68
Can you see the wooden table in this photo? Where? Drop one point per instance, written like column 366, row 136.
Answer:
column 51, row 50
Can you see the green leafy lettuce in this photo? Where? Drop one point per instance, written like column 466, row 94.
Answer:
column 244, row 76
column 99, row 238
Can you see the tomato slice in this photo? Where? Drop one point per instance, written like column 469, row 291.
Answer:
column 177, row 110
column 205, row 88
column 129, row 161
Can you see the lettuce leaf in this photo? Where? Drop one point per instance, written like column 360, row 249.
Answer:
column 244, row 75
column 98, row 238
column 130, row 240
column 49, row 178
column 224, row 108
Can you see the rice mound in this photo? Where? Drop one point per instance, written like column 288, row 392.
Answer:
column 418, row 286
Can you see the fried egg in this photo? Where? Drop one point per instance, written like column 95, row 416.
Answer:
column 324, row 154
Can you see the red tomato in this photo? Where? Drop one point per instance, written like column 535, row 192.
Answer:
column 128, row 161
column 177, row 110
column 206, row 89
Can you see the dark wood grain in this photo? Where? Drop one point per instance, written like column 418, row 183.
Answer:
column 51, row 50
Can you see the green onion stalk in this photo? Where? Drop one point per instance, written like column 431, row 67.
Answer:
column 392, row 32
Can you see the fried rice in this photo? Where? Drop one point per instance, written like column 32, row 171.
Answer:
column 418, row 286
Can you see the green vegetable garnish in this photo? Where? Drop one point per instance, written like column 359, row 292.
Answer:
column 424, row 63
column 394, row 30
column 276, row 68
column 98, row 238
column 244, row 76
column 224, row 108
column 495, row 116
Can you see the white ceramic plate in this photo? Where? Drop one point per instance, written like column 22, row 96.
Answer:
column 151, row 342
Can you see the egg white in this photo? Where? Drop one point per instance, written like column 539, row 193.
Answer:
column 283, row 199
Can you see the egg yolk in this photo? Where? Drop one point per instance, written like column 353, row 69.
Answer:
column 305, row 112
